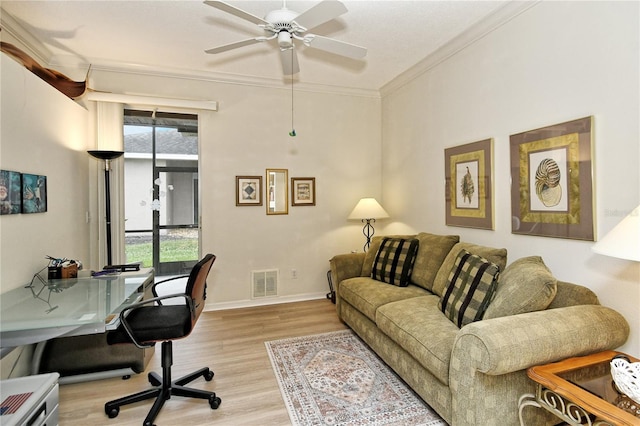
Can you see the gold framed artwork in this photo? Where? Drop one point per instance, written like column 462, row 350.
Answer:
column 303, row 191
column 277, row 191
column 248, row 190
column 551, row 181
column 468, row 179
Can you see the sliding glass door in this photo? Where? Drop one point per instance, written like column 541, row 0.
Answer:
column 161, row 190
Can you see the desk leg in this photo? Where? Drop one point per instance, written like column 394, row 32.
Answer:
column 37, row 357
column 528, row 399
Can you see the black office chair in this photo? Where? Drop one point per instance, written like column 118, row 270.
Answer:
column 148, row 322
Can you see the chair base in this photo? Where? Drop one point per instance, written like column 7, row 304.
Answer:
column 164, row 389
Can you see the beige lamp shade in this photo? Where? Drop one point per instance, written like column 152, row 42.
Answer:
column 623, row 241
column 368, row 208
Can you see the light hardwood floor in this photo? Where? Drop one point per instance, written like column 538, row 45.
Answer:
column 231, row 343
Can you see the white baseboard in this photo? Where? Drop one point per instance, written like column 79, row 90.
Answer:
column 264, row 301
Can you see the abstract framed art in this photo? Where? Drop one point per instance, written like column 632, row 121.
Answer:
column 303, row 191
column 551, row 181
column 10, row 192
column 468, row 180
column 248, row 190
column 34, row 193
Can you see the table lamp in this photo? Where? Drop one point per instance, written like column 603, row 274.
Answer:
column 107, row 156
column 368, row 210
column 623, row 241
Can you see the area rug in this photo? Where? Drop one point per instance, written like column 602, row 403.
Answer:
column 335, row 379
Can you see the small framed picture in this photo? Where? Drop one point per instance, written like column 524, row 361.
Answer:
column 468, row 178
column 10, row 192
column 303, row 191
column 248, row 190
column 34, row 193
column 551, row 181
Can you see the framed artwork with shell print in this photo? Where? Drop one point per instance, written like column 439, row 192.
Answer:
column 468, row 178
column 551, row 181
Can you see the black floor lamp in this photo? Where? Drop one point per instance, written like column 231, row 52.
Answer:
column 107, row 156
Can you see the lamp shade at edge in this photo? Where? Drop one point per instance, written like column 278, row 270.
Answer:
column 623, row 241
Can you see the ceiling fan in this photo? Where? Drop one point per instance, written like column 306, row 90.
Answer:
column 286, row 25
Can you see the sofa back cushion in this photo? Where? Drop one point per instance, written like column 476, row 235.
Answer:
column 432, row 251
column 526, row 285
column 493, row 255
column 394, row 261
column 471, row 284
column 570, row 294
column 367, row 266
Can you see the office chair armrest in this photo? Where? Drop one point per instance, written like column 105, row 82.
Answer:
column 134, row 306
column 153, row 288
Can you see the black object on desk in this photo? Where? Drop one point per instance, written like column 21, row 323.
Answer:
column 130, row 267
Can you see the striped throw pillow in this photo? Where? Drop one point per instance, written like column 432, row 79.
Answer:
column 471, row 285
column 394, row 261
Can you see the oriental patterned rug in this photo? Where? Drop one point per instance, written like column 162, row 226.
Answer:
column 335, row 379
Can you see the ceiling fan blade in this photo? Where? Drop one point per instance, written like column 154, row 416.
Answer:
column 235, row 45
column 335, row 46
column 289, row 59
column 320, row 13
column 225, row 7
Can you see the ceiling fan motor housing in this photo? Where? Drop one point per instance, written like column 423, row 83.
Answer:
column 281, row 24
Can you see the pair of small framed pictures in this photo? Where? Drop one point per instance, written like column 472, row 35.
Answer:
column 22, row 193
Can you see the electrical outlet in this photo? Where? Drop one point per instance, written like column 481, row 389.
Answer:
column 294, row 274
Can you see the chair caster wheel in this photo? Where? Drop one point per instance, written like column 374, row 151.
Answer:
column 112, row 412
column 208, row 376
column 214, row 402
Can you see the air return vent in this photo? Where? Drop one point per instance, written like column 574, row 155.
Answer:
column 264, row 283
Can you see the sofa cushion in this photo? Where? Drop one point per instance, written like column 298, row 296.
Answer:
column 367, row 295
column 494, row 255
column 472, row 282
column 394, row 261
column 432, row 251
column 367, row 265
column 418, row 326
column 526, row 285
column 569, row 294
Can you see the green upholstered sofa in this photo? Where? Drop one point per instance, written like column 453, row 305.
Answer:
column 473, row 375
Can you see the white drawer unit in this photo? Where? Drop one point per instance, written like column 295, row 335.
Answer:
column 29, row 401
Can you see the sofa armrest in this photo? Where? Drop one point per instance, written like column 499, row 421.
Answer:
column 490, row 357
column 516, row 342
column 345, row 266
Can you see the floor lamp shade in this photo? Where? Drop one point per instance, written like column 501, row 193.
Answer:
column 623, row 241
column 368, row 210
column 107, row 156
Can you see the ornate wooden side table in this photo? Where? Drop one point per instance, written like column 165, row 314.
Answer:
column 581, row 391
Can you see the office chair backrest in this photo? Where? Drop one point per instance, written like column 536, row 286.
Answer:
column 197, row 285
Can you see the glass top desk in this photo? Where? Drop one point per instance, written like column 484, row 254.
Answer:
column 67, row 307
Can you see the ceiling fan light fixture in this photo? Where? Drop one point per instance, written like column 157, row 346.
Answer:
column 284, row 40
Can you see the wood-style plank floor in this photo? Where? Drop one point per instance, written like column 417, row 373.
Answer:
column 231, row 343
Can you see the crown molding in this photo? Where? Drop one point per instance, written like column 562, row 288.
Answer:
column 223, row 78
column 30, row 44
column 476, row 32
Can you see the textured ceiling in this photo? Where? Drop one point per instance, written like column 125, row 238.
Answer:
column 171, row 36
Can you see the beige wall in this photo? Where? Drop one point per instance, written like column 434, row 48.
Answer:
column 42, row 132
column 556, row 62
column 338, row 143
